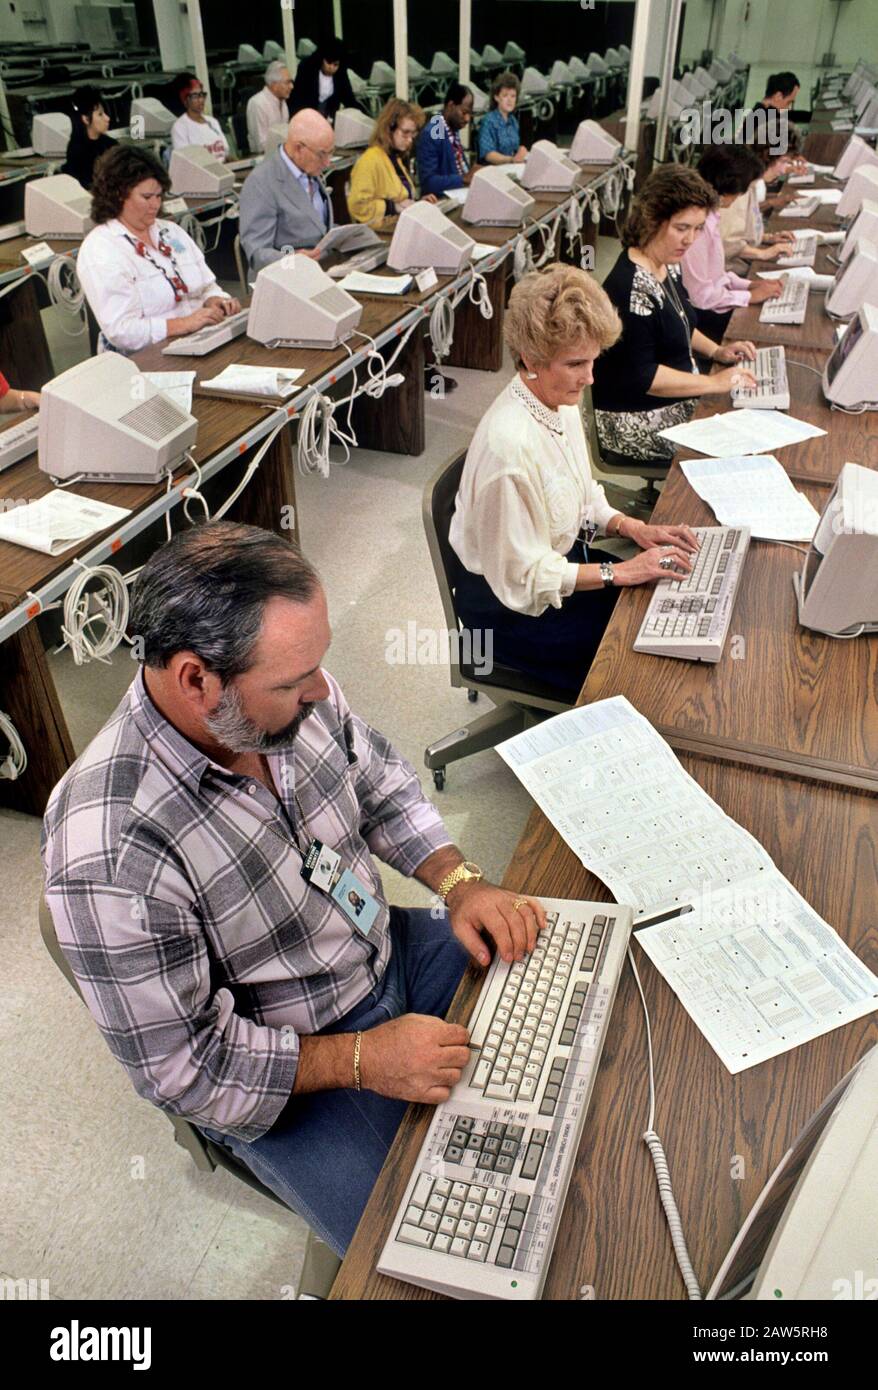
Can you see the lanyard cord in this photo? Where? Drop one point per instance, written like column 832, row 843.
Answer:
column 176, row 282
column 678, row 305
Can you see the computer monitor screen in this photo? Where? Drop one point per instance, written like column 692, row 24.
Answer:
column 843, row 348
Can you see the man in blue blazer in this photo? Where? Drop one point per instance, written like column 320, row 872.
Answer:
column 442, row 160
column 284, row 204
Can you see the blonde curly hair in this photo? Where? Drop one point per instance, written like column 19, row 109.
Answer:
column 552, row 308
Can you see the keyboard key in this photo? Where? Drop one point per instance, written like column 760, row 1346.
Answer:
column 478, row 1250
column 484, row 1230
column 531, row 1165
column 494, row 1197
column 423, row 1188
column 460, row 1191
column 490, row 1210
column 413, row 1235
column 448, row 1225
column 430, row 1221
column 459, row 1246
column 442, row 1244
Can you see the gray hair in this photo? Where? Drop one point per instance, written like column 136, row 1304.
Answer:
column 206, row 589
column 274, row 70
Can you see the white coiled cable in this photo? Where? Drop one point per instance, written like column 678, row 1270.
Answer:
column 15, row 762
column 522, row 257
column 66, row 293
column 111, row 609
column 477, row 293
column 442, row 326
column 573, row 225
column 190, row 224
column 316, row 431
column 660, row 1162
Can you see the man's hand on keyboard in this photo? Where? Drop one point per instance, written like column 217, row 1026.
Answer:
column 414, row 1058
column 511, row 920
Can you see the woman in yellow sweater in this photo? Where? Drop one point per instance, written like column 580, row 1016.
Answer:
column 381, row 181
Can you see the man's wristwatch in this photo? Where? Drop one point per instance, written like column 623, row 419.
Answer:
column 608, row 574
column 463, row 872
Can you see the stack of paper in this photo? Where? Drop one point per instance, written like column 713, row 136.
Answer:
column 753, row 491
column 741, row 432
column 755, row 966
column 58, row 521
column 360, row 282
column 240, row 379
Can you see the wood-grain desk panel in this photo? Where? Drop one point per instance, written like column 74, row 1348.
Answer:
column 723, row 1134
column 781, row 695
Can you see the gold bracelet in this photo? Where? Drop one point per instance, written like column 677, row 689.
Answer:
column 357, row 1079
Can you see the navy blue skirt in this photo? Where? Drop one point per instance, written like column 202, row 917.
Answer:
column 558, row 647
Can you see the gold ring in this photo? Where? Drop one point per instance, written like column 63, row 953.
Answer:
column 519, row 902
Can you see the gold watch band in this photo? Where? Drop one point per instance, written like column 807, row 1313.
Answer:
column 463, row 872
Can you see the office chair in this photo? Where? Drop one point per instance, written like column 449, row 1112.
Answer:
column 242, row 265
column 520, row 700
column 637, row 502
column 321, row 1264
column 238, row 132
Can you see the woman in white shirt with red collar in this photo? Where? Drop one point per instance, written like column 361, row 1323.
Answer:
column 194, row 127
column 528, row 507
column 144, row 277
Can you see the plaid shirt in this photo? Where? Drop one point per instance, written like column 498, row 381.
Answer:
column 176, row 891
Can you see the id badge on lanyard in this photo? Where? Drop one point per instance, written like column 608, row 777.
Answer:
column 323, row 869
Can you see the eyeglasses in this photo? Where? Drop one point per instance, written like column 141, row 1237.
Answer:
column 196, row 96
column 323, row 155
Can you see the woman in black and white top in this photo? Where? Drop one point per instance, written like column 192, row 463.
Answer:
column 649, row 381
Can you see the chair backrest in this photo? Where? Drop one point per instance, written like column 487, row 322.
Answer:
column 238, row 127
column 438, row 509
column 591, row 430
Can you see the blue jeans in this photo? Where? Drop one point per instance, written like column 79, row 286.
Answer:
column 324, row 1152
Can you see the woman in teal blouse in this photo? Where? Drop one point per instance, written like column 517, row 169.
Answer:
column 499, row 138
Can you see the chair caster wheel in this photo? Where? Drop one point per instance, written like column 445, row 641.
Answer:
column 439, row 779
column 472, row 696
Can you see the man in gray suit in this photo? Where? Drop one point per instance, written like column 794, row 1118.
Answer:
column 284, row 204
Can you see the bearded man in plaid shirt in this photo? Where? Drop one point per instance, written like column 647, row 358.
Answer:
column 236, row 991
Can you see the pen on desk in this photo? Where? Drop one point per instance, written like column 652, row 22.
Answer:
column 664, row 916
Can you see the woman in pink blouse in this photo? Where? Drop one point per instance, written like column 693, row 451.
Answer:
column 715, row 291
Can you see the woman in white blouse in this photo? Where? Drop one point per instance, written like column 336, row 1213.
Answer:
column 144, row 278
column 528, row 507
column 194, row 127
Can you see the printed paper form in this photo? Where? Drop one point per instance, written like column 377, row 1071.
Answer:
column 736, row 432
column 614, row 790
column 753, row 491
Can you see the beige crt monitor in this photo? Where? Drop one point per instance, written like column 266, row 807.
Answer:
column 296, row 304
column 560, row 74
column 813, row 1231
column 594, row 145
column 855, row 152
column 865, row 224
column 850, row 377
column 596, row 65
column 533, row 84
column 863, row 183
column 548, row 169
column 491, row 56
column 578, row 68
column 197, row 173
column 57, row 206
column 353, row 128
column 150, row 118
column 382, row 74
column 678, row 99
column 856, row 282
column 50, row 134
column 496, row 200
column 104, row 418
column 837, row 589
column 423, row 237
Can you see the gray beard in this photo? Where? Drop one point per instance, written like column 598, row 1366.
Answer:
column 232, row 728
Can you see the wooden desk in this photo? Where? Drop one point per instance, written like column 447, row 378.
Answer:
column 816, row 332
column 395, row 423
column 818, row 460
column 780, row 697
column 723, row 1134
